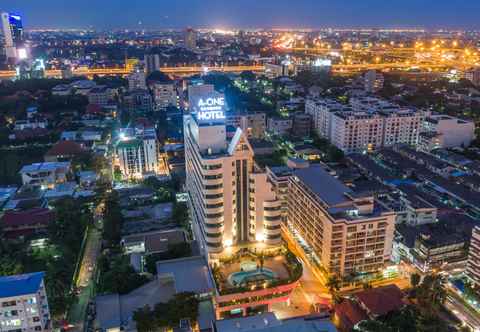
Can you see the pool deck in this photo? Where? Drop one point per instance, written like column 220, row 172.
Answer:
column 275, row 264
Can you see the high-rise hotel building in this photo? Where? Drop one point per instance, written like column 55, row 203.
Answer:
column 348, row 232
column 232, row 202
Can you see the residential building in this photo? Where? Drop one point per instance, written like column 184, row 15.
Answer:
column 137, row 79
column 47, row 174
column 252, row 124
column 278, row 176
column 347, row 231
column 138, row 101
column 368, row 304
column 64, row 151
column 100, row 95
column 373, row 81
column 231, row 201
column 164, row 94
column 138, row 153
column 454, row 132
column 365, row 124
column 473, row 263
column 273, row 71
column 473, row 76
column 24, row 223
column 279, row 126
column 24, row 303
column 302, row 123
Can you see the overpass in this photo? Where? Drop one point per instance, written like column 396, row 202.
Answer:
column 56, row 73
column 190, row 70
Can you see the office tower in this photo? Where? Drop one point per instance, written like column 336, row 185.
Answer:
column 348, row 232
column 232, row 202
column 190, row 39
column 24, row 304
column 152, row 62
column 12, row 30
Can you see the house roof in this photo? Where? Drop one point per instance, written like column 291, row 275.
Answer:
column 21, row 284
column 30, row 217
column 65, row 148
column 349, row 314
column 382, row 300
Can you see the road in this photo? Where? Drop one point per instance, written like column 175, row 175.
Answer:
column 85, row 282
column 462, row 311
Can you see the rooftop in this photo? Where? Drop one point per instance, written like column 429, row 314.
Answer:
column 44, row 167
column 182, row 270
column 21, row 284
column 328, row 188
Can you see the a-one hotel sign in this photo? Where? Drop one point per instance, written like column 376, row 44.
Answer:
column 211, row 108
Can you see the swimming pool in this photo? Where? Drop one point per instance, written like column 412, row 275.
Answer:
column 245, row 277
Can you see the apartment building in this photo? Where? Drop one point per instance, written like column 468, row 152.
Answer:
column 252, row 124
column 453, row 132
column 24, row 304
column 100, row 95
column 137, row 79
column 365, row 124
column 137, row 153
column 232, row 202
column 473, row 263
column 164, row 94
column 347, row 231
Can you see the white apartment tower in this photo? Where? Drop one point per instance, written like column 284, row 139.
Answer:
column 138, row 155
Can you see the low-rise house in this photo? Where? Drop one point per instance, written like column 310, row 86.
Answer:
column 64, row 151
column 16, row 224
column 46, row 175
column 368, row 304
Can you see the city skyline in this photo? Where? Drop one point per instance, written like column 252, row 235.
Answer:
column 248, row 14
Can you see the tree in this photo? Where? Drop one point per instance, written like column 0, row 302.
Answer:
column 414, row 280
column 112, row 220
column 143, row 318
column 333, row 285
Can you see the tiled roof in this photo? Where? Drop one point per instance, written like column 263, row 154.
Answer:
column 30, row 217
column 382, row 300
column 65, row 148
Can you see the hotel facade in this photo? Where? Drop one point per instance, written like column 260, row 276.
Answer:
column 232, row 202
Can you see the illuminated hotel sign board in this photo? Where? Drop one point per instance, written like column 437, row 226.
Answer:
column 211, row 108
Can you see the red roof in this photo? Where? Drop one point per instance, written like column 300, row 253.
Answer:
column 349, row 313
column 65, row 148
column 382, row 300
column 33, row 217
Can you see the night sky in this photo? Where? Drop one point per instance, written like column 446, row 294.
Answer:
column 105, row 14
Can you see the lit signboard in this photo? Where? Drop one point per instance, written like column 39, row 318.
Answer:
column 211, row 108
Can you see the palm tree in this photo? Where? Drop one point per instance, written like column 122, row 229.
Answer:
column 333, row 285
